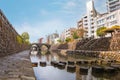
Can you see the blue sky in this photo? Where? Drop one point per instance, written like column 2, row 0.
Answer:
column 43, row 17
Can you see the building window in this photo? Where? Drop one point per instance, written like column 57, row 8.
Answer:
column 92, row 23
column 92, row 27
column 85, row 17
column 113, row 22
column 86, row 24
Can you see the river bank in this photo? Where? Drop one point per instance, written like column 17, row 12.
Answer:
column 107, row 55
column 16, row 67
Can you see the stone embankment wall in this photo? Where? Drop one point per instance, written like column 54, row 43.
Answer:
column 101, row 44
column 106, row 48
column 106, row 55
column 8, row 38
column 115, row 41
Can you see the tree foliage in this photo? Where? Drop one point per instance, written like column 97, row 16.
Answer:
column 100, row 31
column 59, row 40
column 75, row 35
column 68, row 39
column 25, row 37
column 80, row 32
column 115, row 27
column 19, row 39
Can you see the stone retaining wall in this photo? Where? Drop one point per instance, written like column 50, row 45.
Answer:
column 8, row 38
column 107, row 55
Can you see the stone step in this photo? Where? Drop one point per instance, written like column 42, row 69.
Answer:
column 27, row 78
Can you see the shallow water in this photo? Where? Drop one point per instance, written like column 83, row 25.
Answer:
column 50, row 72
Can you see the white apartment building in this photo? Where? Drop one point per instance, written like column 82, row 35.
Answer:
column 88, row 21
column 108, row 20
column 67, row 33
column 92, row 20
column 113, row 5
column 80, row 24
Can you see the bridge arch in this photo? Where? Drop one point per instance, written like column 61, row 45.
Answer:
column 39, row 45
column 43, row 44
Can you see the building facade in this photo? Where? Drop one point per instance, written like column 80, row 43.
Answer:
column 80, row 24
column 93, row 20
column 113, row 5
column 52, row 39
column 108, row 20
column 88, row 20
column 69, row 32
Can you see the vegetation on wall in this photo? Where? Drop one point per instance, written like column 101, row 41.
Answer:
column 100, row 31
column 19, row 39
column 68, row 39
column 75, row 35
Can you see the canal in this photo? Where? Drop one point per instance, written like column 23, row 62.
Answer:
column 53, row 66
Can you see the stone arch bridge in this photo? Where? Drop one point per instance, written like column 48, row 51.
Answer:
column 39, row 45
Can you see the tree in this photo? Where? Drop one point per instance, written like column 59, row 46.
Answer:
column 19, row 39
column 100, row 31
column 25, row 37
column 112, row 29
column 80, row 32
column 68, row 39
column 75, row 35
column 115, row 27
column 59, row 40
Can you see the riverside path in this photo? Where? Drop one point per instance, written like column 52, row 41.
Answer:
column 16, row 67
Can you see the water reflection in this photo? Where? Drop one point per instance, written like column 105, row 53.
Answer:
column 53, row 68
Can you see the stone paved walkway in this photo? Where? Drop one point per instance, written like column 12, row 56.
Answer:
column 16, row 67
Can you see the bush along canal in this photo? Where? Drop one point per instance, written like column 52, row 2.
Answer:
column 53, row 66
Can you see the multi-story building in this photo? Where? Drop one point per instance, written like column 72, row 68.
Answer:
column 67, row 33
column 88, row 21
column 80, row 24
column 113, row 5
column 52, row 39
column 92, row 20
column 108, row 19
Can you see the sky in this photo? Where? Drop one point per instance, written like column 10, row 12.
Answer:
column 43, row 17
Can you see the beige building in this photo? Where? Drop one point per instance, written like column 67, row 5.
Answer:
column 67, row 33
column 108, row 19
